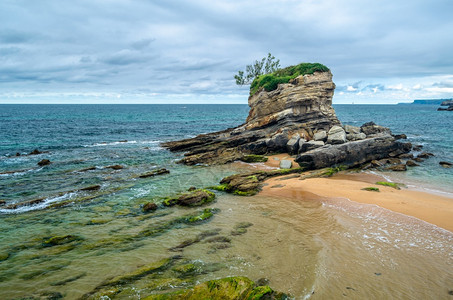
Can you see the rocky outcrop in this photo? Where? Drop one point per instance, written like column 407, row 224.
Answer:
column 353, row 153
column 278, row 120
column 448, row 103
column 297, row 118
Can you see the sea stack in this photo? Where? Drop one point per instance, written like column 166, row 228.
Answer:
column 293, row 117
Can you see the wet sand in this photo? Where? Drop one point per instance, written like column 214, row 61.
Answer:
column 434, row 209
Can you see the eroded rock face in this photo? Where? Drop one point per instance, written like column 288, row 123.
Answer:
column 277, row 121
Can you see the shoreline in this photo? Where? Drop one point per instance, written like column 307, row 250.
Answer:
column 429, row 207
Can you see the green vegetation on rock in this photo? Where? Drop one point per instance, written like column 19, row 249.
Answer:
column 192, row 198
column 225, row 288
column 4, row 256
column 204, row 215
column 331, row 171
column 271, row 81
column 371, row 189
column 253, row 158
column 390, row 184
column 220, row 187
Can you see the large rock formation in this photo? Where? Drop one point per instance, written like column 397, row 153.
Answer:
column 294, row 111
column 297, row 117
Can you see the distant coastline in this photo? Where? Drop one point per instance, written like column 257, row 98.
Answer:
column 426, row 101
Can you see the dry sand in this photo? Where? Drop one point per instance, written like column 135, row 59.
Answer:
column 431, row 208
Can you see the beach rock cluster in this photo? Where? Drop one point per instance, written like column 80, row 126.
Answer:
column 296, row 118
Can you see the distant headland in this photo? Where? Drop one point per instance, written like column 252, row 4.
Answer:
column 427, row 101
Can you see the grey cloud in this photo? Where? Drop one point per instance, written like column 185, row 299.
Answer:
column 197, row 46
column 443, row 84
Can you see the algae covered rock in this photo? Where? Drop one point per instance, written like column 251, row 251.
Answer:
column 192, row 198
column 149, row 207
column 253, row 158
column 225, row 288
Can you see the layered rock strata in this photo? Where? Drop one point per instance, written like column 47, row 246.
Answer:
column 278, row 121
column 296, row 118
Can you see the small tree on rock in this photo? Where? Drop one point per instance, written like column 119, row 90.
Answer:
column 260, row 67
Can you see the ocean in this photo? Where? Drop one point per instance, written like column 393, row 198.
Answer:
column 311, row 249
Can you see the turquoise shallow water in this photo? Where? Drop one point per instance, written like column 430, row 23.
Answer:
column 111, row 234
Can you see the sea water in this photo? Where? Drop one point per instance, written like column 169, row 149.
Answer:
column 308, row 246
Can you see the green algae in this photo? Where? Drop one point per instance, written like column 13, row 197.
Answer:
column 225, row 288
column 331, row 171
column 220, row 187
column 390, row 184
column 371, row 189
column 4, row 256
column 253, row 158
column 195, row 197
column 140, row 272
column 186, row 270
column 245, row 193
column 204, row 215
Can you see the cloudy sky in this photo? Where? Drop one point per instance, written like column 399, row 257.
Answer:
column 156, row 51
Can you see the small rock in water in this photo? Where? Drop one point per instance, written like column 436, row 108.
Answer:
column 192, row 188
column 2, row 202
column 154, row 173
column 398, row 168
column 286, row 164
column 419, row 159
column 378, row 274
column 411, row 163
column 123, row 141
column 417, row 148
column 91, row 188
column 35, row 152
column 17, row 154
column 445, row 164
column 425, row 155
column 44, row 162
column 262, row 282
column 150, row 206
column 115, row 167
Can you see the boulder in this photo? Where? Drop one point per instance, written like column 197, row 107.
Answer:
column 310, row 145
column 150, row 206
column 355, row 136
column 35, row 152
column 411, row 163
column 286, row 164
column 397, row 168
column 353, row 153
column 336, row 135
column 278, row 142
column 320, row 136
column 445, row 164
column 352, row 129
column 371, row 129
column 154, row 173
column 44, row 162
column 293, row 144
column 425, row 155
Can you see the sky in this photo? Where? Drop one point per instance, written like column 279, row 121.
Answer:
column 156, row 51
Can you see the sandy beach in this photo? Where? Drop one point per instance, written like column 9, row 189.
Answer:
column 434, row 209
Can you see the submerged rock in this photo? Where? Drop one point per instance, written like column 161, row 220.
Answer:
column 155, row 173
column 44, row 162
column 149, row 207
column 195, row 197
